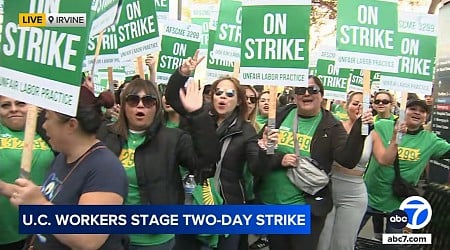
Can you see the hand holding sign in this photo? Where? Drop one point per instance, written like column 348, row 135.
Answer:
column 192, row 100
column 191, row 63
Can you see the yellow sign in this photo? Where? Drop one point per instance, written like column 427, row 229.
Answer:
column 32, row 20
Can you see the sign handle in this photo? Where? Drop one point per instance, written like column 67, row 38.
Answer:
column 28, row 141
column 366, row 99
column 140, row 67
column 271, row 121
column 328, row 105
column 110, row 82
column 236, row 69
column 401, row 116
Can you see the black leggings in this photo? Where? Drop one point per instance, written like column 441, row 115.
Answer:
column 299, row 241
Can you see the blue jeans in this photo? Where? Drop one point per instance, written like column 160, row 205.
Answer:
column 164, row 246
column 372, row 211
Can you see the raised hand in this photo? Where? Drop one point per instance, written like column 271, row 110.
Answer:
column 192, row 100
column 190, row 64
column 150, row 61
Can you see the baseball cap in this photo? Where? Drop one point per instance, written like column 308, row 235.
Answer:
column 418, row 102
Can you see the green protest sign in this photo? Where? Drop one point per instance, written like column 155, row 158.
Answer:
column 201, row 15
column 137, row 29
column 44, row 63
column 417, row 43
column 334, row 79
column 227, row 41
column 216, row 66
column 356, row 81
column 109, row 53
column 275, row 48
column 366, row 31
column 104, row 15
column 162, row 9
column 101, row 82
column 180, row 41
column 375, row 78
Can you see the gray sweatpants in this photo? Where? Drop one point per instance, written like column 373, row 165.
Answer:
column 350, row 204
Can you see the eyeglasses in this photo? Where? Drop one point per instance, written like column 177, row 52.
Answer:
column 229, row 92
column 134, row 100
column 252, row 99
column 384, row 101
column 302, row 90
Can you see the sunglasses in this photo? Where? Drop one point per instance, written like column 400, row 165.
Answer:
column 384, row 101
column 229, row 92
column 302, row 90
column 252, row 99
column 134, row 100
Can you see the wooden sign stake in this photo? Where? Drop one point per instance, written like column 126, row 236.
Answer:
column 28, row 141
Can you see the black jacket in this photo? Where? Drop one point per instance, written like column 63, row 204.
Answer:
column 243, row 147
column 329, row 143
column 157, row 160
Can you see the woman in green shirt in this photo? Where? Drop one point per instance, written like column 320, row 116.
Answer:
column 13, row 115
column 416, row 148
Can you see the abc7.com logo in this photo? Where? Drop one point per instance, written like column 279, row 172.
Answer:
column 415, row 213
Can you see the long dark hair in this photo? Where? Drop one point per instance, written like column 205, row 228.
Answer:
column 134, row 87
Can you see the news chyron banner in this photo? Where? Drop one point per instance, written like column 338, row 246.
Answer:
column 180, row 41
column 416, row 45
column 137, row 29
column 42, row 49
column 105, row 13
column 275, row 48
column 366, row 34
column 158, row 219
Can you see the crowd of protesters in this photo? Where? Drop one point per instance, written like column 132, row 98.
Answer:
column 149, row 141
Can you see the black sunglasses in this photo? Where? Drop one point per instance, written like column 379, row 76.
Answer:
column 252, row 99
column 228, row 92
column 302, row 90
column 384, row 101
column 134, row 100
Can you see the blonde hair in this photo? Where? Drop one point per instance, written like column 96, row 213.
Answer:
column 252, row 116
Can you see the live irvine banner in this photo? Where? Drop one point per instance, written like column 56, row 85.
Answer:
column 275, row 48
column 137, row 29
column 417, row 49
column 334, row 79
column 45, row 63
column 180, row 41
column 366, row 35
column 155, row 219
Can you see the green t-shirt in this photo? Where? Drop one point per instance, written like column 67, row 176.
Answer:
column 414, row 152
column 171, row 124
column 261, row 121
column 127, row 159
column 11, row 146
column 276, row 188
column 377, row 118
column 339, row 112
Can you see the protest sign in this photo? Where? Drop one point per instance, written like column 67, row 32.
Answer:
column 137, row 29
column 334, row 79
column 180, row 41
column 366, row 31
column 105, row 12
column 227, row 40
column 417, row 43
column 275, row 48
column 44, row 63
